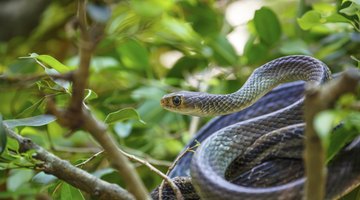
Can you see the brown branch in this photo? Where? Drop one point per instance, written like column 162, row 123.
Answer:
column 318, row 99
column 77, row 116
column 65, row 171
column 99, row 131
column 86, row 49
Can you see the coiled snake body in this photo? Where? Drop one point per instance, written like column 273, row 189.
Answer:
column 259, row 157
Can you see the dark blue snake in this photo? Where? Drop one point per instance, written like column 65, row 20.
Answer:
column 256, row 153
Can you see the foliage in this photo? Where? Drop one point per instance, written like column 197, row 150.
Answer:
column 129, row 76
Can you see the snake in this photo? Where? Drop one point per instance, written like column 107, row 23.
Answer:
column 254, row 149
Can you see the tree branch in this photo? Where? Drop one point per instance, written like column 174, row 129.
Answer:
column 86, row 48
column 65, row 171
column 318, row 99
column 99, row 131
column 77, row 116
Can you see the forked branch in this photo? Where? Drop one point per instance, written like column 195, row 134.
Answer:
column 77, row 116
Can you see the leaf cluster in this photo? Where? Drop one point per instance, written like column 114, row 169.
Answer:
column 151, row 48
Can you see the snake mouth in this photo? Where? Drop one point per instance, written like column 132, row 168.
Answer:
column 163, row 103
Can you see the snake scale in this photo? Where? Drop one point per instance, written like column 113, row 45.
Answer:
column 256, row 152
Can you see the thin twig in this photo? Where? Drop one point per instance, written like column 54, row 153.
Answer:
column 89, row 159
column 86, row 150
column 27, row 78
column 158, row 172
column 24, row 80
column 182, row 154
column 147, row 157
column 194, row 125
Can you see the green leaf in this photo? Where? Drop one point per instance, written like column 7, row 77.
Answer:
column 352, row 121
column 353, row 9
column 357, row 60
column 255, row 52
column 123, row 114
column 339, row 138
column 52, row 67
column 31, row 109
column 99, row 63
column 309, row 19
column 39, row 120
column 65, row 193
column 89, row 95
column 148, row 93
column 173, row 147
column 77, row 194
column 43, row 179
column 12, row 144
column 133, row 54
column 314, row 19
column 151, row 8
column 324, row 124
column 333, row 46
column 124, row 21
column 51, row 62
column 207, row 21
column 123, row 129
column 334, row 140
column 53, row 16
column 62, row 83
column 296, row 46
column 224, row 52
column 17, row 178
column 55, row 129
column 345, row 100
column 336, row 18
column 176, row 30
column 68, row 192
column 267, row 25
column 3, row 137
column 325, row 8
column 186, row 64
column 150, row 109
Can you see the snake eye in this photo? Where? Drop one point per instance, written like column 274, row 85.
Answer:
column 176, row 100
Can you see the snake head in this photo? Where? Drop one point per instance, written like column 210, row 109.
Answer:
column 181, row 102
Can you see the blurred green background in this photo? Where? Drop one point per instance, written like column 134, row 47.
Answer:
column 150, row 48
